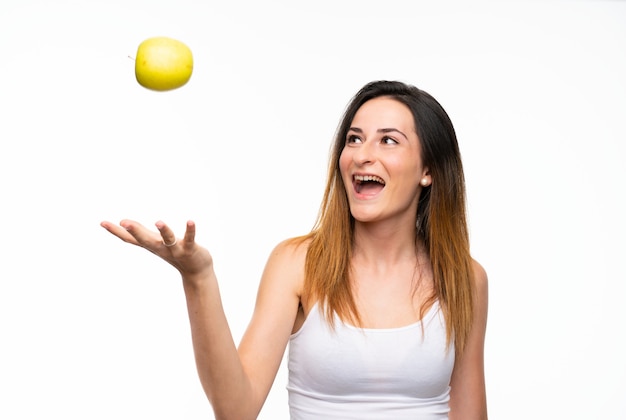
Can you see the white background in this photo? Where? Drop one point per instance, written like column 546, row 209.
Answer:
column 93, row 328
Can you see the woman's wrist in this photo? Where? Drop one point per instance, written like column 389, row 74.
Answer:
column 199, row 280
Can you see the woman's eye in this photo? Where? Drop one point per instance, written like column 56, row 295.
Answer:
column 353, row 139
column 389, row 140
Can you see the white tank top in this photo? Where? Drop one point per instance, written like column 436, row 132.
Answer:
column 355, row 373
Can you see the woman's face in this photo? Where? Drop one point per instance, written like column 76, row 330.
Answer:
column 381, row 164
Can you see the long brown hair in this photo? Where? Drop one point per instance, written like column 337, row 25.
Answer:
column 441, row 218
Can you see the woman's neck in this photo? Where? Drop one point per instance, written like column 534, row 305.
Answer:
column 384, row 244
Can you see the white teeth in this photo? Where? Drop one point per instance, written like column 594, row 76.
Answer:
column 365, row 178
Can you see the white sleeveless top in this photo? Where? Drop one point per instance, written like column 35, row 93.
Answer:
column 360, row 373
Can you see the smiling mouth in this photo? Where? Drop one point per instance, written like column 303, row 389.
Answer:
column 368, row 184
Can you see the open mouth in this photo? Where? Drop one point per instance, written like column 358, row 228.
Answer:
column 368, row 184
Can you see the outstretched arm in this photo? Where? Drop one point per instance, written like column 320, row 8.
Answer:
column 235, row 382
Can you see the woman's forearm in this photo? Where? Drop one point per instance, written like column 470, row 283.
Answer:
column 219, row 367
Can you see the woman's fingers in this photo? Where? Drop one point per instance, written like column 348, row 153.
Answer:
column 120, row 232
column 190, row 234
column 136, row 234
column 167, row 235
column 142, row 236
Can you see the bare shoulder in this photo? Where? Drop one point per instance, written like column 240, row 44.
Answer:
column 290, row 253
column 279, row 293
column 481, row 289
column 286, row 263
column 291, row 248
column 480, row 278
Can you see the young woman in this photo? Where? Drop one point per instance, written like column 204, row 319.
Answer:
column 382, row 305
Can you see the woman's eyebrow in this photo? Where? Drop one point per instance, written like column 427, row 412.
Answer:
column 380, row 130
column 392, row 130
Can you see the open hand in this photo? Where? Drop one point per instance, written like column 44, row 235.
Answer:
column 190, row 259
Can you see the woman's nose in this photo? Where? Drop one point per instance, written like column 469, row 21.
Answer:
column 364, row 154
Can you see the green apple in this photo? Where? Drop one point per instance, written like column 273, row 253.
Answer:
column 163, row 63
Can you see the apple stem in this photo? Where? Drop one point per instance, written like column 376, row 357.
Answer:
column 131, row 58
